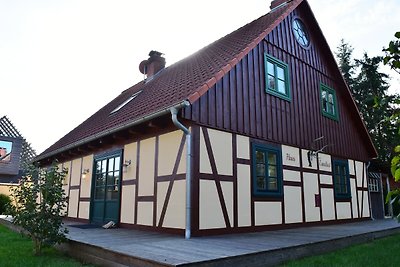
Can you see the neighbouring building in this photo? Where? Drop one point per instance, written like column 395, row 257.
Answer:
column 255, row 131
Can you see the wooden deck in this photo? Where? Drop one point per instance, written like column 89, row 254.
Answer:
column 124, row 247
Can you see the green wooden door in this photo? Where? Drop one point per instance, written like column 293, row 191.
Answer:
column 106, row 189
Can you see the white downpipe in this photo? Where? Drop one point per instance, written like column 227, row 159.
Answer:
column 174, row 115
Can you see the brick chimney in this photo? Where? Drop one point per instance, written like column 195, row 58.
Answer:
column 276, row 3
column 153, row 65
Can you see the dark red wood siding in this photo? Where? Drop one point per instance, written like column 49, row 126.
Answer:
column 238, row 102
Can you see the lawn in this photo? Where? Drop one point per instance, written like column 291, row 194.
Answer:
column 16, row 250
column 380, row 252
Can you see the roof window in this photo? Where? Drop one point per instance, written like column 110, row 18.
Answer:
column 126, row 102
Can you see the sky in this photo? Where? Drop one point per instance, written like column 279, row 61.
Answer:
column 62, row 60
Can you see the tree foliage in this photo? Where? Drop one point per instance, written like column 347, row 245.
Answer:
column 39, row 201
column 346, row 63
column 392, row 53
column 4, row 202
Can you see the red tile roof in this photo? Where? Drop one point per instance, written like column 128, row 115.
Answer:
column 187, row 79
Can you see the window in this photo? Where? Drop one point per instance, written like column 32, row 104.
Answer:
column 267, row 171
column 107, row 177
column 277, row 77
column 300, row 33
column 373, row 185
column 341, row 179
column 5, row 150
column 126, row 102
column 328, row 102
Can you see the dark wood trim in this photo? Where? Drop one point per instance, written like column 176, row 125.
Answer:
column 303, row 204
column 235, row 182
column 362, row 195
column 137, row 181
column 166, row 178
column 352, row 176
column 74, row 187
column 80, row 183
column 69, row 184
column 300, row 169
column 292, row 183
column 215, row 174
column 73, row 219
column 84, row 199
column 362, row 189
column 330, row 186
column 157, row 143
column 319, row 190
column 219, row 177
column 195, row 187
column 129, row 182
column 243, row 161
column 171, row 183
column 146, row 198
column 358, row 202
column 337, row 200
column 268, row 199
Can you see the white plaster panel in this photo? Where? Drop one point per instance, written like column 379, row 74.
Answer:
column 351, row 167
column 310, row 183
column 86, row 182
column 244, row 195
column 327, row 204
column 359, row 173
column 360, row 201
column 146, row 167
column 221, row 143
column 84, row 209
column 76, row 171
column 145, row 213
column 73, row 203
column 162, row 188
column 343, row 210
column 175, row 214
column 325, row 179
column 268, row 213
column 354, row 205
column 128, row 204
column 366, row 205
column 67, row 167
column 293, row 204
column 168, row 151
column 210, row 207
column 130, row 153
column 243, row 147
column 205, row 166
column 324, row 162
column 293, row 176
column 227, row 191
column 290, row 156
column 305, row 160
column 365, row 182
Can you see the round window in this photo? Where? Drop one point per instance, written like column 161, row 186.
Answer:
column 300, row 33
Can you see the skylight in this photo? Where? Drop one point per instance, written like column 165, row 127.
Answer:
column 126, row 102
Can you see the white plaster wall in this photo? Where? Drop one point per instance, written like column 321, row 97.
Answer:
column 268, row 213
column 175, row 214
column 290, row 156
column 351, row 167
column 146, row 167
column 305, row 160
column 128, row 204
column 86, row 181
column 243, row 147
column 227, row 191
column 325, row 179
column 366, row 205
column 343, row 210
column 292, row 176
column 244, row 195
column 162, row 188
column 145, row 213
column 310, row 182
column 354, row 205
column 210, row 208
column 205, row 166
column 325, row 162
column 168, row 150
column 221, row 143
column 84, row 209
column 73, row 203
column 130, row 153
column 293, row 204
column 76, row 171
column 359, row 173
column 67, row 166
column 327, row 204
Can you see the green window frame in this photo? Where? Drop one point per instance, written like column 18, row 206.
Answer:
column 341, row 179
column 277, row 81
column 329, row 107
column 267, row 171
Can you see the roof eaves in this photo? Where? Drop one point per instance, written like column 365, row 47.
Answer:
column 106, row 132
column 217, row 76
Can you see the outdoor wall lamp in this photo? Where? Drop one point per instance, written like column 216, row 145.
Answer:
column 85, row 172
column 127, row 163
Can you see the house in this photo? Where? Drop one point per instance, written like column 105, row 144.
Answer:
column 255, row 131
column 15, row 154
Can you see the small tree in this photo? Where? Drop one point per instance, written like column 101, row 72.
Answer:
column 38, row 204
column 4, row 202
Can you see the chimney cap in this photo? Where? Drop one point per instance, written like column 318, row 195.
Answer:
column 155, row 53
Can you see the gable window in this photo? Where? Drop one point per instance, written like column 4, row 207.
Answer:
column 300, row 32
column 341, row 179
column 277, row 77
column 373, row 185
column 267, row 170
column 328, row 102
column 125, row 102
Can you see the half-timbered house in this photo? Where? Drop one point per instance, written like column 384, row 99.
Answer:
column 255, row 131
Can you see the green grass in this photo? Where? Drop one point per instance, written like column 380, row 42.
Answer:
column 380, row 252
column 16, row 250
